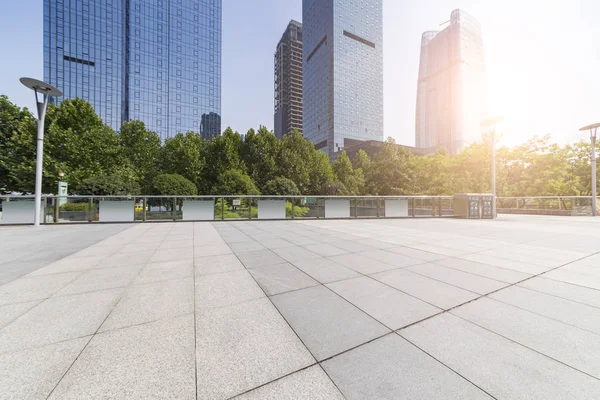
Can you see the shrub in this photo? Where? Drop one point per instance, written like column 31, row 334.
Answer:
column 299, row 211
column 173, row 185
column 235, row 182
column 69, row 207
column 281, row 186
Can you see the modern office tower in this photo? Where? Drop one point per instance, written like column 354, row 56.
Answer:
column 158, row 61
column 210, row 126
column 288, row 81
column 343, row 72
column 452, row 88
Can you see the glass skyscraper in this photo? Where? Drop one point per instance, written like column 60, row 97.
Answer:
column 158, row 61
column 343, row 72
column 452, row 88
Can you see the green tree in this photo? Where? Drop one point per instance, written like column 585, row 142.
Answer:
column 17, row 134
column 259, row 152
column 293, row 160
column 319, row 172
column 281, row 186
column 173, row 185
column 121, row 182
column 185, row 155
column 142, row 149
column 343, row 172
column 235, row 182
column 222, row 154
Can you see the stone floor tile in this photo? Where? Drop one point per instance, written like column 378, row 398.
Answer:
column 29, row 288
column 258, row 258
column 281, row 278
column 101, row 279
column 416, row 253
column 11, row 312
column 244, row 247
column 275, row 243
column 212, row 250
column 186, row 253
column 32, row 374
column 150, row 302
column 150, row 361
column 361, row 264
column 58, row 319
column 487, row 271
column 434, row 292
column 163, row 271
column 507, row 264
column 504, row 369
column 392, row 368
column 325, row 249
column 80, row 264
column 389, row 306
column 119, row 260
column 393, row 259
column 217, row 264
column 575, row 278
column 244, row 346
column 308, row 384
column 325, row 270
column 228, row 288
column 473, row 283
column 567, row 311
column 568, row 344
column 295, row 253
column 326, row 323
column 564, row 290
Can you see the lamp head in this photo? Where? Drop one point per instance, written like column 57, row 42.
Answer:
column 41, row 87
column 61, row 174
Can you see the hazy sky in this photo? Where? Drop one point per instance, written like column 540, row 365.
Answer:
column 543, row 60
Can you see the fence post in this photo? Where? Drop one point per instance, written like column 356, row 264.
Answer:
column 250, row 208
column 378, row 199
column 91, row 211
column 440, row 207
column 56, row 210
column 292, row 201
column 433, row 207
column 174, row 210
column 145, row 205
column 355, row 208
column 414, row 205
column 222, row 208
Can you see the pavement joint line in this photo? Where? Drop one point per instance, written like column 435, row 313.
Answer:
column 20, row 315
column 544, row 316
column 286, row 321
column 195, row 315
column 527, row 347
column 447, row 366
column 92, row 336
column 559, row 297
column 458, row 270
column 475, row 262
column 570, row 283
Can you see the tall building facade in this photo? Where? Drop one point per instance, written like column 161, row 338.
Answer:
column 288, row 81
column 452, row 89
column 158, row 61
column 343, row 72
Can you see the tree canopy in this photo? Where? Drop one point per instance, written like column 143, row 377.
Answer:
column 97, row 160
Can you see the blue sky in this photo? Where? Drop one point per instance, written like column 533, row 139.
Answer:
column 542, row 56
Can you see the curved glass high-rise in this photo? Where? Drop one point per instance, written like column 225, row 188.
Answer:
column 342, row 72
column 452, row 88
column 158, row 61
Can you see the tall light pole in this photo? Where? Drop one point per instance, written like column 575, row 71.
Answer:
column 491, row 124
column 593, row 131
column 46, row 91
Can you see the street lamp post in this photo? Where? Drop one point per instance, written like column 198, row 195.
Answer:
column 46, row 91
column 491, row 124
column 593, row 131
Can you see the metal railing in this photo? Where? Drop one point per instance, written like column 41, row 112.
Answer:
column 73, row 209
column 546, row 205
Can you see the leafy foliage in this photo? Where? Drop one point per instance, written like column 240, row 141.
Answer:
column 98, row 161
column 173, row 185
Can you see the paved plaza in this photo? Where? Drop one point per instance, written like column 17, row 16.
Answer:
column 321, row 309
